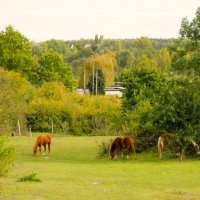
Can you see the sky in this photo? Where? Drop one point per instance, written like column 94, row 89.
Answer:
column 40, row 20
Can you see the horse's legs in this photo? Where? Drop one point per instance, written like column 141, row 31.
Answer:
column 40, row 149
column 44, row 149
column 161, row 149
column 49, row 147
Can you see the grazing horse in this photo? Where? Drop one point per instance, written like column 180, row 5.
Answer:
column 42, row 140
column 120, row 144
column 169, row 139
column 194, row 146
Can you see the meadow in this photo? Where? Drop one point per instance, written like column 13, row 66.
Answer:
column 74, row 171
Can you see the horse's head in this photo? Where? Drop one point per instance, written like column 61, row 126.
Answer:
column 112, row 154
column 34, row 151
column 195, row 147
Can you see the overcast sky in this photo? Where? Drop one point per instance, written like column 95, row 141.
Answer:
column 40, row 20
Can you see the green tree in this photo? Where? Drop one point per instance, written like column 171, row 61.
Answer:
column 162, row 60
column 142, row 82
column 58, row 46
column 178, row 108
column 53, row 68
column 15, row 94
column 191, row 30
column 15, row 51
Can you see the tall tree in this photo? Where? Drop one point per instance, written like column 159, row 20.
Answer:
column 53, row 68
column 96, row 84
column 106, row 62
column 15, row 51
column 191, row 30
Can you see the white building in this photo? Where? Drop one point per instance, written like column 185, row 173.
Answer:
column 115, row 90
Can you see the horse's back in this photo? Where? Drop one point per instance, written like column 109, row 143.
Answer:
column 117, row 143
column 43, row 139
column 129, row 143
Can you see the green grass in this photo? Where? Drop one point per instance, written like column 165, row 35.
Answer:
column 73, row 171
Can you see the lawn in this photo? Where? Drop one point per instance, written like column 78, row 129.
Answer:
column 73, row 171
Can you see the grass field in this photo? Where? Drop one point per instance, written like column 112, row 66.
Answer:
column 73, row 171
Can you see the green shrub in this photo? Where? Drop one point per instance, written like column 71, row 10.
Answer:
column 7, row 155
column 31, row 177
column 104, row 148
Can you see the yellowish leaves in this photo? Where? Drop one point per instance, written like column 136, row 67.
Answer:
column 106, row 62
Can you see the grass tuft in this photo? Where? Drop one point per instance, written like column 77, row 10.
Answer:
column 31, row 177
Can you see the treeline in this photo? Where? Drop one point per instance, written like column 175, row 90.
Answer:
column 161, row 77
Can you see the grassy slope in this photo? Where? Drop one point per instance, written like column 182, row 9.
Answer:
column 74, row 172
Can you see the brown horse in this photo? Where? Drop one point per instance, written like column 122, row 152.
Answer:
column 120, row 144
column 169, row 139
column 42, row 140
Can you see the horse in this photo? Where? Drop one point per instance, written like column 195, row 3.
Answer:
column 42, row 140
column 194, row 147
column 167, row 138
column 121, row 144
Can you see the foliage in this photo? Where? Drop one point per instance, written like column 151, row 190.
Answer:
column 31, row 177
column 49, row 108
column 191, row 30
column 15, row 51
column 7, row 155
column 162, row 60
column 58, row 46
column 15, row 94
column 179, row 107
column 104, row 148
column 142, row 82
column 52, row 68
column 105, row 62
column 69, row 111
column 96, row 84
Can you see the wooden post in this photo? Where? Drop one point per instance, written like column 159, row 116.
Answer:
column 52, row 126
column 84, row 79
column 93, row 79
column 96, row 80
column 19, row 128
column 30, row 132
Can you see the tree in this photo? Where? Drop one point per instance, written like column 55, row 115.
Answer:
column 191, row 30
column 178, row 108
column 53, row 68
column 162, row 60
column 106, row 62
column 142, row 82
column 14, row 97
column 96, row 84
column 15, row 51
column 186, row 56
column 58, row 46
column 126, row 58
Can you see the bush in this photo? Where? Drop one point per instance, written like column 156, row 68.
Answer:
column 7, row 155
column 104, row 148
